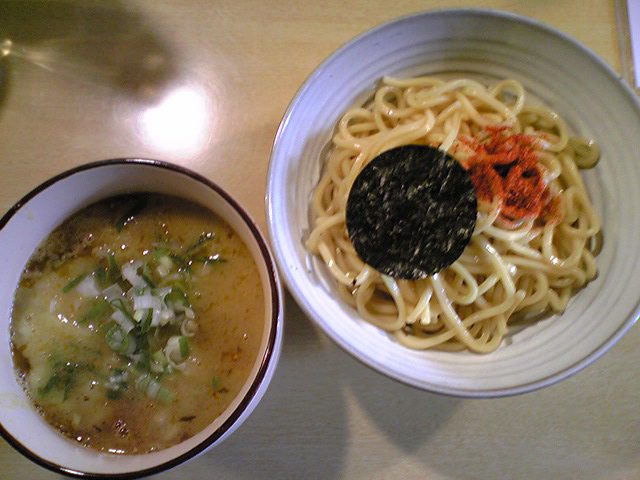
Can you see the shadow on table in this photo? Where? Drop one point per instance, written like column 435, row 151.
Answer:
column 300, row 429
column 305, row 425
column 584, row 427
column 100, row 41
column 407, row 416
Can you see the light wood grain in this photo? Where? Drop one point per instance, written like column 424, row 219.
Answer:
column 325, row 416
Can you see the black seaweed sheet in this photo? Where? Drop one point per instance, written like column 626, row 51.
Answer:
column 411, row 211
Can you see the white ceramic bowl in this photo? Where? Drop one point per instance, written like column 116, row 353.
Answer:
column 29, row 222
column 485, row 44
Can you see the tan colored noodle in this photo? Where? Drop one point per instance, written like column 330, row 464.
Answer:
column 525, row 267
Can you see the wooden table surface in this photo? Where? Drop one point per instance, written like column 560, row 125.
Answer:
column 204, row 84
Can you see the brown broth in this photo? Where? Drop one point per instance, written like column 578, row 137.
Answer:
column 61, row 352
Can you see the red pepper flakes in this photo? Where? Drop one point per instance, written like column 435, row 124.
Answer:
column 552, row 211
column 505, row 166
column 487, row 182
column 524, row 189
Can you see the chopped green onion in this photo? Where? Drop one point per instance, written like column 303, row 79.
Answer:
column 204, row 238
column 164, row 266
column 119, row 341
column 146, row 275
column 112, row 292
column 176, row 350
column 115, row 338
column 165, row 396
column 117, row 383
column 73, row 283
column 143, row 382
column 181, row 261
column 215, row 259
column 148, row 280
column 161, row 252
column 101, row 276
column 139, row 290
column 87, row 287
column 159, row 357
column 145, row 323
column 176, row 297
column 123, row 321
column 152, row 321
column 210, row 260
column 143, row 359
column 130, row 345
column 97, row 310
column 184, row 347
column 130, row 273
column 158, row 362
column 114, row 270
column 189, row 327
column 146, row 301
column 63, row 377
column 118, row 304
column 152, row 388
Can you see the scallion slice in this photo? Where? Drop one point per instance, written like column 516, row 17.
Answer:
column 143, row 382
column 87, row 287
column 72, row 284
column 97, row 310
column 184, row 347
column 145, row 301
column 145, row 323
column 165, row 395
column 152, row 388
column 130, row 273
column 123, row 320
column 114, row 270
column 161, row 252
column 112, row 292
column 202, row 240
column 174, row 350
column 115, row 338
column 176, row 297
column 101, row 276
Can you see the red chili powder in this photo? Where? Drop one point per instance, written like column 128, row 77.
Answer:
column 505, row 166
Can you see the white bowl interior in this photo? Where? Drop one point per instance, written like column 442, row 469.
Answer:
column 31, row 224
column 486, row 45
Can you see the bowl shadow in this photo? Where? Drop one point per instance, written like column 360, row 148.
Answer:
column 104, row 42
column 299, row 424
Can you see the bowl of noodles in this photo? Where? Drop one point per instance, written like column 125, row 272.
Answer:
column 142, row 319
column 365, row 212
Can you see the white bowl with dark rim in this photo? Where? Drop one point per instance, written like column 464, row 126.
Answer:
column 22, row 230
column 485, row 45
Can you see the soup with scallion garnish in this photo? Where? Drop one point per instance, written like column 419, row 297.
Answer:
column 137, row 322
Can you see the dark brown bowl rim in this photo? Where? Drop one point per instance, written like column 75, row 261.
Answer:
column 276, row 301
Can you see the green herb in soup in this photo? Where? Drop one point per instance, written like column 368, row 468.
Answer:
column 137, row 322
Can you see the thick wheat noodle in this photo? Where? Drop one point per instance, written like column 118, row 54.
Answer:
column 509, row 266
